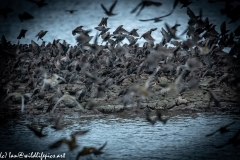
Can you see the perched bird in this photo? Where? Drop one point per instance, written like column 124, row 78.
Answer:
column 37, row 132
column 41, row 34
column 4, row 12
column 145, row 3
column 110, row 11
column 103, row 22
column 71, row 11
column 222, row 129
column 72, row 144
column 40, row 3
column 25, row 16
column 22, row 34
column 91, row 150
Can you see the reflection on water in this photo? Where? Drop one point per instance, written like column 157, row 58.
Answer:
column 183, row 137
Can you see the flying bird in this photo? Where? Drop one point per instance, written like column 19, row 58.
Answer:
column 71, row 11
column 103, row 22
column 37, row 132
column 110, row 11
column 222, row 129
column 145, row 3
column 4, row 12
column 158, row 19
column 22, row 34
column 91, row 150
column 40, row 3
column 41, row 34
column 25, row 16
column 72, row 144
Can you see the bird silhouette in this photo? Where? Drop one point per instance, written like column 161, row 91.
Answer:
column 4, row 12
column 235, row 141
column 110, row 11
column 41, row 34
column 222, row 129
column 71, row 11
column 22, row 34
column 91, row 150
column 37, row 132
column 25, row 16
column 40, row 3
column 158, row 19
column 72, row 143
column 145, row 3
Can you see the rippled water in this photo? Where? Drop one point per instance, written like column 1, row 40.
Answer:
column 183, row 137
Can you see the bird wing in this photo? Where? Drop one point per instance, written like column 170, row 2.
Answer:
column 57, row 143
column 144, row 20
column 104, row 8
column 140, row 10
column 79, row 133
column 190, row 13
column 113, row 5
column 135, row 9
column 228, row 124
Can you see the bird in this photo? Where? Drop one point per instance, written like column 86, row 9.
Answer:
column 71, row 11
column 103, row 22
column 72, row 143
column 91, row 150
column 213, row 97
column 41, row 34
column 147, row 36
column 185, row 3
column 58, row 126
column 158, row 118
column 120, row 29
column 25, row 16
column 22, row 34
column 37, row 132
column 158, row 19
column 40, row 3
column 145, row 3
column 4, row 12
column 78, row 30
column 222, row 129
column 15, row 94
column 110, row 11
column 133, row 32
column 235, row 141
column 68, row 99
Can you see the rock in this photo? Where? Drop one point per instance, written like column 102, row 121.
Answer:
column 180, row 101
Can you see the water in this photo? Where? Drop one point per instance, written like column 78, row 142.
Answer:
column 183, row 137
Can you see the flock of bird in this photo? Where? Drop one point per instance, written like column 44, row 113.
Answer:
column 100, row 67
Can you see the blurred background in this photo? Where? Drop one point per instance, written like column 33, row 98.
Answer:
column 59, row 23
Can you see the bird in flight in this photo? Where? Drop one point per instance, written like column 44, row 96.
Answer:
column 71, row 11
column 40, row 3
column 22, row 34
column 110, row 11
column 4, row 12
column 145, row 3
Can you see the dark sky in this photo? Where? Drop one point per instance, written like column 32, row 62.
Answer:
column 60, row 23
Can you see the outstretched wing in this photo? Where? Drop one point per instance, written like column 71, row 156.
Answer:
column 113, row 5
column 104, row 8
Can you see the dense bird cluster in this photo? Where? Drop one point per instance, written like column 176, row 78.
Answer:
column 85, row 75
